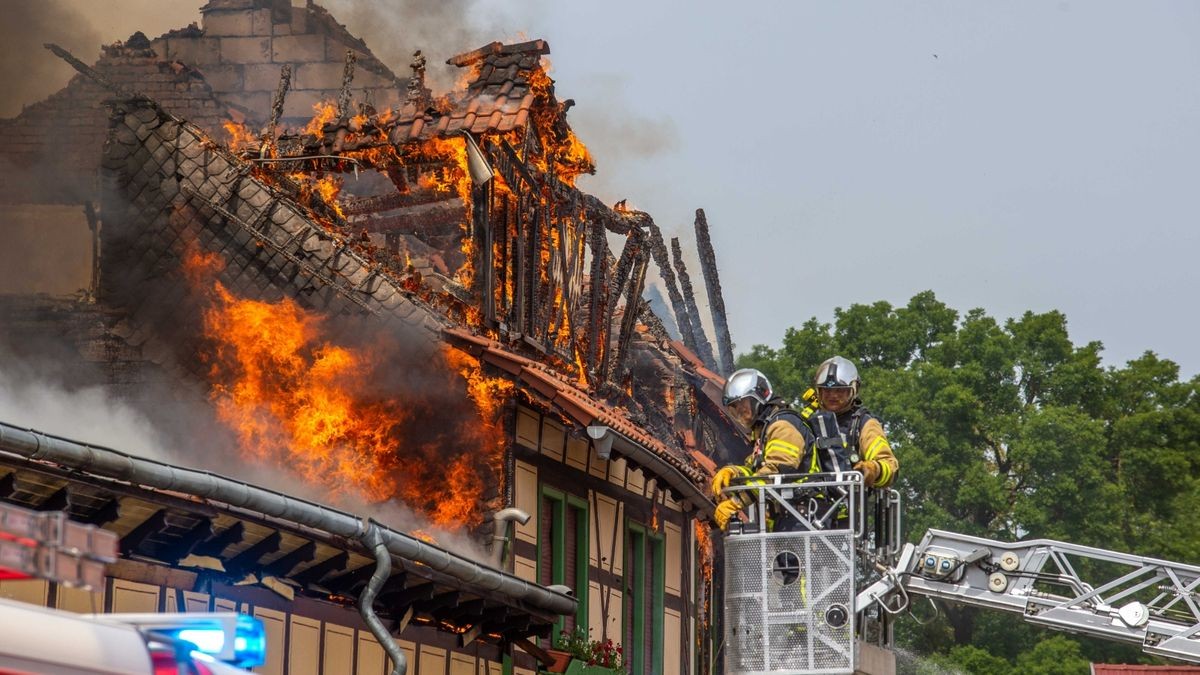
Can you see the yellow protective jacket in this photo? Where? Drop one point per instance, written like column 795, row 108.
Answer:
column 777, row 449
column 877, row 461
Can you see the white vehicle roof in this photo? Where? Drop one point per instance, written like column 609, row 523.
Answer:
column 41, row 640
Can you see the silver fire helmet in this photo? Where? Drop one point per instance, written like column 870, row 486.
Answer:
column 837, row 373
column 749, row 384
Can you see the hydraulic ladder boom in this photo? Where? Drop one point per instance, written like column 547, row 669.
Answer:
column 1129, row 598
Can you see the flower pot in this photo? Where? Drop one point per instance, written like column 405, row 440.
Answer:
column 561, row 661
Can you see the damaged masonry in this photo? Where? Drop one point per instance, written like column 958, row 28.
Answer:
column 392, row 297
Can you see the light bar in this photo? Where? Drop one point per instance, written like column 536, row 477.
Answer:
column 236, row 639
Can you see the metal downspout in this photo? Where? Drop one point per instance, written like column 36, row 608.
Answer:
column 108, row 463
column 366, row 602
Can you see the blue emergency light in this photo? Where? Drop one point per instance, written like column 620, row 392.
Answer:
column 237, row 639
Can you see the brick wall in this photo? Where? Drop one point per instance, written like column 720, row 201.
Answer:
column 241, row 45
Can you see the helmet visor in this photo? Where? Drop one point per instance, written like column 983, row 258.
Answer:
column 742, row 412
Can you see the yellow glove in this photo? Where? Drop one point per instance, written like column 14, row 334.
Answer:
column 725, row 511
column 870, row 472
column 721, row 480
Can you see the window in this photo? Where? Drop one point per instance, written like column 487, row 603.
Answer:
column 644, row 574
column 563, row 551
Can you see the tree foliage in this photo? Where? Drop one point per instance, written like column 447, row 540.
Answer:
column 1009, row 430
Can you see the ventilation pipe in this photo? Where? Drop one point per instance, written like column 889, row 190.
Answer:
column 500, row 539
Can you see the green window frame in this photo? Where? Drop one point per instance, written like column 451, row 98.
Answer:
column 638, row 538
column 560, row 502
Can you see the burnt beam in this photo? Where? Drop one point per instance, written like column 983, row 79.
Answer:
column 716, row 301
column 199, row 533
column 109, row 511
column 350, row 582
column 59, row 501
column 439, row 602
column 658, row 249
column 151, row 526
column 290, row 561
column 315, row 573
column 249, row 559
column 8, row 486
column 703, row 348
column 214, row 545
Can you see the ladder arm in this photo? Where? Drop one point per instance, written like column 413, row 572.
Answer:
column 1127, row 598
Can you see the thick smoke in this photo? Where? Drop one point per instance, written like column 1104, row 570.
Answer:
column 28, row 72
column 393, row 30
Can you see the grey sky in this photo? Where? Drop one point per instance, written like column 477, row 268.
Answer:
column 1008, row 156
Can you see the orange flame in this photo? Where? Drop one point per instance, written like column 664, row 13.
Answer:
column 325, row 111
column 298, row 401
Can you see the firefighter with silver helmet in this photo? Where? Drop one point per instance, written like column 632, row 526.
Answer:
column 779, row 435
column 842, row 420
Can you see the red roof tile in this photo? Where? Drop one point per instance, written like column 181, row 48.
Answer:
column 1121, row 669
column 577, row 404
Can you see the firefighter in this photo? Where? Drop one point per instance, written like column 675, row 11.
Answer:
column 778, row 434
column 842, row 420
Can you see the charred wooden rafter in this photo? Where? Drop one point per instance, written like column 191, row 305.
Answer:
column 217, row 543
column 716, row 301
column 349, row 583
column 658, row 249
column 314, row 574
column 138, row 536
column 251, row 557
column 285, row 82
column 284, row 565
column 107, row 512
column 188, row 542
column 703, row 348
column 59, row 501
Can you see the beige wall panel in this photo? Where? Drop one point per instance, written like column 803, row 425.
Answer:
column 432, row 661
column 275, row 627
column 608, row 541
column 596, row 466
column 80, row 601
column 195, row 602
column 304, row 646
column 671, row 503
column 553, row 439
column 596, row 612
column 672, row 652
column 577, row 453
column 527, row 427
column 33, row 591
column 192, row 602
column 370, row 655
column 636, row 481
column 651, row 491
column 523, row 671
column 339, row 650
column 490, row 667
column 674, row 558
column 525, row 568
column 130, row 596
column 526, row 498
column 410, row 654
column 595, row 618
column 224, row 605
column 616, row 471
column 462, row 664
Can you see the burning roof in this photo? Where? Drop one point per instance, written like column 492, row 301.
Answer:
column 466, row 245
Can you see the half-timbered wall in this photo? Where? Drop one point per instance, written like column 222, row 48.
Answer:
column 636, row 586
